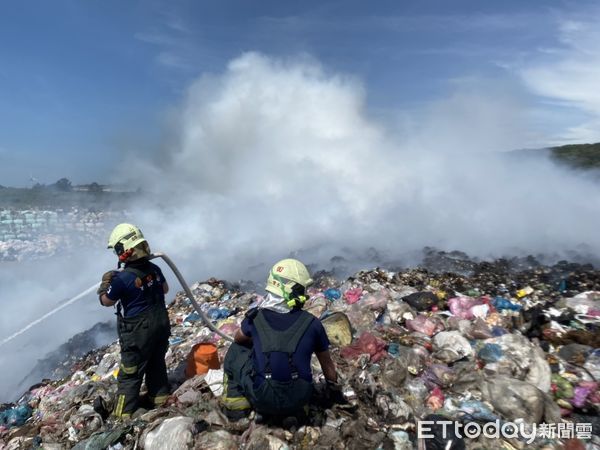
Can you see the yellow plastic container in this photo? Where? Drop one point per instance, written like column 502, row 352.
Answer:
column 524, row 292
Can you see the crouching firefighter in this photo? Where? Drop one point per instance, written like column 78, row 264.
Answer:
column 142, row 319
column 268, row 366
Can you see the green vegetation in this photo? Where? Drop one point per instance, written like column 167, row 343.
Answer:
column 63, row 194
column 578, row 156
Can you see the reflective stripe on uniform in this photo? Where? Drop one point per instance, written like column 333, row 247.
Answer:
column 129, row 370
column 120, row 404
column 235, row 403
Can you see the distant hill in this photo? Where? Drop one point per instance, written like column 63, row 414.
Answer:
column 62, row 194
column 578, row 156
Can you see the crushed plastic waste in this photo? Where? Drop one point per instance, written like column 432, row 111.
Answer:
column 508, row 341
column 332, row 294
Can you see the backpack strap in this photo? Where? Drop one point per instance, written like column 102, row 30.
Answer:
column 286, row 341
column 151, row 293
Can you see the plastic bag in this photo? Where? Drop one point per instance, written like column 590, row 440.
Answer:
column 86, row 420
column 561, row 387
column 214, row 379
column 400, row 440
column 394, row 371
column 394, row 409
column 475, row 410
column 353, row 295
column 575, row 353
column 421, row 301
column 218, row 440
column 502, row 304
column 16, row 416
column 436, row 399
column 465, row 307
column 316, row 306
column 582, row 392
column 332, row 294
column 417, row 393
column 516, row 399
column 174, row 433
column 490, row 353
column 585, row 302
column 375, row 302
column 228, row 326
column 366, row 344
column 438, row 375
column 450, row 346
column 218, row 313
column 524, row 360
column 592, row 364
column 478, row 330
column 423, row 324
column 399, row 312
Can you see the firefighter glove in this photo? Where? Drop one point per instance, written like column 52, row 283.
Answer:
column 104, row 285
column 333, row 392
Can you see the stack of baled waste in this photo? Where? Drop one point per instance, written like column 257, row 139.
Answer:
column 414, row 349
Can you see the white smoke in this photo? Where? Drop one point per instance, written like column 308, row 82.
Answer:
column 275, row 156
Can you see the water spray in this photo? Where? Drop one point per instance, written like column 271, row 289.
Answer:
column 50, row 313
column 171, row 265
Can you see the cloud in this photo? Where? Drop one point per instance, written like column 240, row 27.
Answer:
column 173, row 60
column 568, row 74
column 473, row 22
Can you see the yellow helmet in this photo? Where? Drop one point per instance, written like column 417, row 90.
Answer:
column 125, row 237
column 284, row 276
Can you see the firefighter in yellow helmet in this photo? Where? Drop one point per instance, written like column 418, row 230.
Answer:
column 138, row 291
column 268, row 366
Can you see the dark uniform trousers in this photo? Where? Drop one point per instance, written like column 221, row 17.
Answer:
column 144, row 342
column 272, row 397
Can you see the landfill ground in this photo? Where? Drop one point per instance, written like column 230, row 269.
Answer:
column 502, row 342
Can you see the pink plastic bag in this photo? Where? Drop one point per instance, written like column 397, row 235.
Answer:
column 463, row 307
column 436, row 399
column 353, row 295
column 366, row 344
column 375, row 302
column 422, row 324
column 229, row 328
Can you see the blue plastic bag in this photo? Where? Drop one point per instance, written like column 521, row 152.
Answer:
column 475, row 410
column 490, row 353
column 218, row 313
column 502, row 304
column 193, row 317
column 499, row 331
column 16, row 416
column 332, row 294
column 393, row 349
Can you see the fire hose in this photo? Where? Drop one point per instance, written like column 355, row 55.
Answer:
column 190, row 295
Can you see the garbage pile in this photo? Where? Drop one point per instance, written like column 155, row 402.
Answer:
column 418, row 353
column 35, row 234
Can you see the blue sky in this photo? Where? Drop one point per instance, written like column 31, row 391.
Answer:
column 82, row 82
